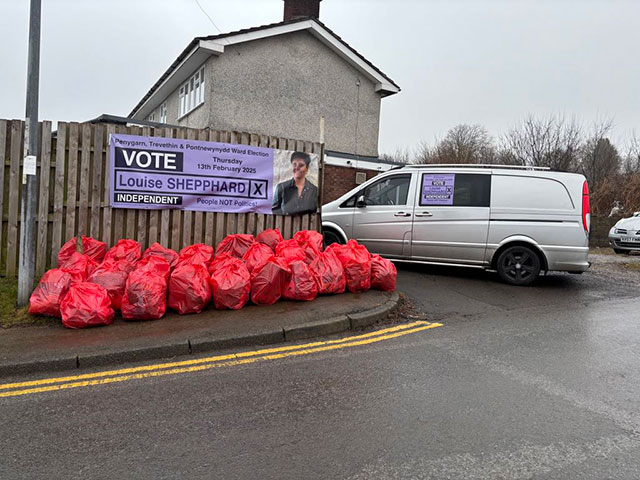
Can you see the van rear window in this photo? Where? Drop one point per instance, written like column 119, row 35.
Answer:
column 455, row 189
column 515, row 192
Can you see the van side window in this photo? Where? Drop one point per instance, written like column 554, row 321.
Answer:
column 455, row 189
column 392, row 190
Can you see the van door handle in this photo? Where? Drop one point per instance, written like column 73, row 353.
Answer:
column 402, row 214
column 424, row 214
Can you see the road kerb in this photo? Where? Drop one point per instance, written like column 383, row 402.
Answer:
column 186, row 346
column 369, row 317
column 317, row 329
column 204, row 345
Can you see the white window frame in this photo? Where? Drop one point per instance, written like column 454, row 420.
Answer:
column 152, row 116
column 163, row 112
column 191, row 93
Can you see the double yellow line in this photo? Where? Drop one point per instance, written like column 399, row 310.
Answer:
column 242, row 358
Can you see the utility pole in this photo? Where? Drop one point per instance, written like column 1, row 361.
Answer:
column 26, row 265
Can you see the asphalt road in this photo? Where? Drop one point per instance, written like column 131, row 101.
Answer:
column 540, row 382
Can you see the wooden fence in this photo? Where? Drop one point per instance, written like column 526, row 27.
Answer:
column 73, row 186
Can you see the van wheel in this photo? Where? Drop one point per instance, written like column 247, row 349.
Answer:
column 330, row 237
column 518, row 265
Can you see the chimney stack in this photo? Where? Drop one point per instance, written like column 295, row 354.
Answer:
column 294, row 9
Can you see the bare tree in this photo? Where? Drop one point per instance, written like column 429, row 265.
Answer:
column 401, row 156
column 506, row 157
column 551, row 142
column 462, row 144
column 632, row 156
column 425, row 153
column 599, row 159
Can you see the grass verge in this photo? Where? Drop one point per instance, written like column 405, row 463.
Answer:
column 10, row 316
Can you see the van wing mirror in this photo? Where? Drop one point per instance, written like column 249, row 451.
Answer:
column 360, row 203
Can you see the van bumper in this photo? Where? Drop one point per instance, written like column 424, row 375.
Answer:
column 566, row 259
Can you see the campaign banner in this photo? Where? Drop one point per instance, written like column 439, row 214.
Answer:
column 163, row 173
column 437, row 188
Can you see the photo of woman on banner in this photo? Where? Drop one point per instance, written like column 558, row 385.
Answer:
column 297, row 195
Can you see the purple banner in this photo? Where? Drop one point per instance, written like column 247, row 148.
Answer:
column 160, row 173
column 437, row 188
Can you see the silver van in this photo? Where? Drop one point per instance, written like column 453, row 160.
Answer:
column 516, row 220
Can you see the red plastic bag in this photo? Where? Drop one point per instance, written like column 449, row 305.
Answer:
column 268, row 282
column 336, row 247
column 311, row 242
column 65, row 252
column 230, row 285
column 145, row 296
column 154, row 266
column 111, row 276
column 302, row 284
column 47, row 296
column 189, row 290
column 93, row 248
column 311, row 237
column 126, row 251
column 356, row 261
column 383, row 274
column 270, row 237
column 157, row 250
column 86, row 305
column 290, row 251
column 257, row 255
column 196, row 254
column 220, row 261
column 235, row 245
column 328, row 272
column 80, row 267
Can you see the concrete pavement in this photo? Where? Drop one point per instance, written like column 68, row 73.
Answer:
column 55, row 348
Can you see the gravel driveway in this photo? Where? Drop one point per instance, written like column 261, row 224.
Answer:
column 621, row 268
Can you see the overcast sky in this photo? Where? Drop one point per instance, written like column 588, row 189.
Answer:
column 457, row 61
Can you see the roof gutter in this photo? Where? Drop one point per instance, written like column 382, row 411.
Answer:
column 202, row 50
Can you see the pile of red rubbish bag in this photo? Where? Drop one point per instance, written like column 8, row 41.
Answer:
column 88, row 288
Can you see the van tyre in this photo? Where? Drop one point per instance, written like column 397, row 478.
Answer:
column 518, row 265
column 330, row 237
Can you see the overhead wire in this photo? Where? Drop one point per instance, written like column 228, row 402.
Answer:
column 207, row 15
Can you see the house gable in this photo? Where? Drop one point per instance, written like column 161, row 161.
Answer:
column 283, row 85
column 202, row 48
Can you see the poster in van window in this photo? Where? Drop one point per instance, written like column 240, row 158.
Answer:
column 172, row 173
column 438, row 188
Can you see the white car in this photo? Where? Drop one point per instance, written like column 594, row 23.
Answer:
column 624, row 236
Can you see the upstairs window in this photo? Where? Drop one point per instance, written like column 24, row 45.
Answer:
column 192, row 92
column 152, row 117
column 163, row 112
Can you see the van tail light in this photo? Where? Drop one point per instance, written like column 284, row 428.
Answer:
column 586, row 213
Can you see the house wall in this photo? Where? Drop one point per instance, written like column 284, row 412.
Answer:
column 197, row 118
column 339, row 180
column 281, row 86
